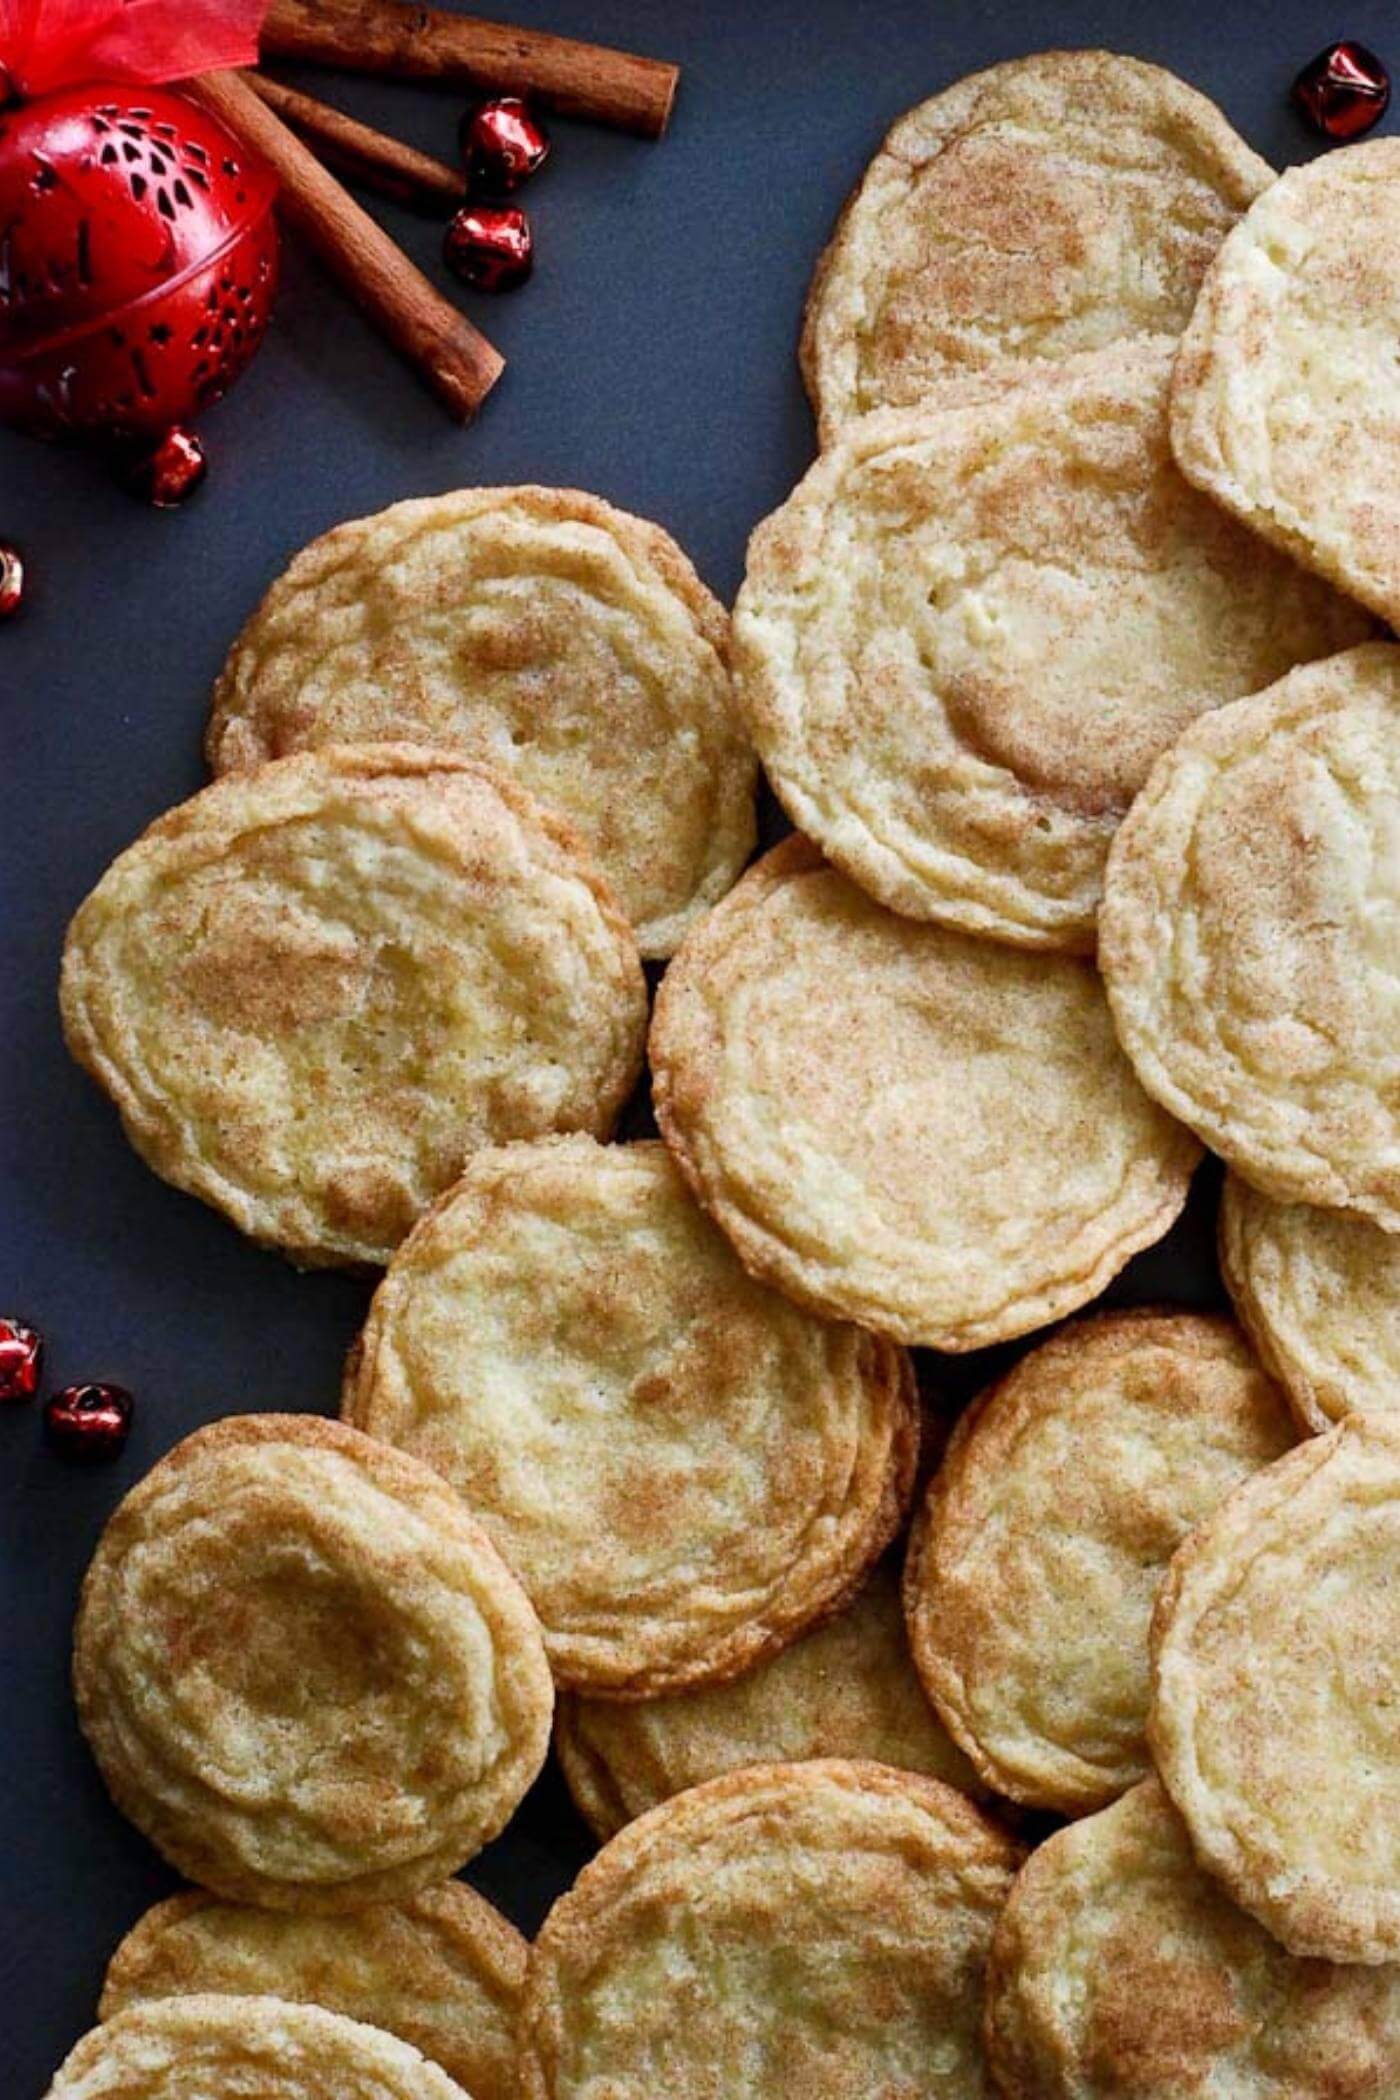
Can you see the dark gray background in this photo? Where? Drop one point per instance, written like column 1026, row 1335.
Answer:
column 651, row 360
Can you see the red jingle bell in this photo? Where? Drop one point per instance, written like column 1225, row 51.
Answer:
column 490, row 247
column 170, row 471
column 89, row 1423
column 138, row 262
column 503, row 143
column 1344, row 92
column 21, row 1359
column 11, row 594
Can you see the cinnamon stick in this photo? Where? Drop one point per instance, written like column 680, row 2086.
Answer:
column 424, row 43
column 454, row 359
column 360, row 153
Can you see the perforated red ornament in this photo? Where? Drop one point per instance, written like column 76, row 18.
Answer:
column 138, row 261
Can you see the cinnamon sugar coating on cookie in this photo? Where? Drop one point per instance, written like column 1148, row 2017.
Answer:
column 900, row 1125
column 803, row 1931
column 1053, row 204
column 315, row 989
column 304, row 1670
column 684, row 1469
column 1037, row 1558
column 541, row 631
column 442, row 1970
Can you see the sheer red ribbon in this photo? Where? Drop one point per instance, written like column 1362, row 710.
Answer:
column 47, row 44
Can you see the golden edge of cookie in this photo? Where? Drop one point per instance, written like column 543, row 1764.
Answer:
column 487, row 1940
column 674, row 1821
column 1233, row 1239
column 675, row 1040
column 886, row 1370
column 1199, row 431
column 1097, row 1786
column 410, row 1480
column 181, row 2023
column 231, row 744
column 1321, row 1920
column 925, row 129
column 173, row 1158
column 592, row 1788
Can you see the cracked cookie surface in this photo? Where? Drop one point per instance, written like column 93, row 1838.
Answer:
column 314, row 990
column 1274, row 1693
column 305, row 1672
column 683, row 1468
column 1050, row 205
column 1250, row 929
column 824, row 1928
column 935, row 1136
column 541, row 631
column 964, row 640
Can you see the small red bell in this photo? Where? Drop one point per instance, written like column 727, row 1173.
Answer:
column 1344, row 92
column 138, row 261
column 490, row 247
column 503, row 143
column 89, row 1423
column 168, row 473
column 11, row 587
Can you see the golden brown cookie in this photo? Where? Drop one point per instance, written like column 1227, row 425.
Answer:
column 847, row 1689
column 965, row 638
column 801, row 1932
column 896, row 1124
column 314, row 990
column 442, row 1970
column 683, row 1468
column 540, row 631
column 1034, row 1566
column 1250, row 928
column 1286, row 401
column 304, row 1670
column 1318, row 1292
column 1276, row 1642
column 1120, row 1971
column 1051, row 205
column 209, row 2047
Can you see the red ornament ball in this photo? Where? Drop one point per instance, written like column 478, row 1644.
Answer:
column 140, row 261
column 21, row 1359
column 11, row 580
column 503, row 144
column 1344, row 91
column 170, row 471
column 490, row 247
column 89, row 1423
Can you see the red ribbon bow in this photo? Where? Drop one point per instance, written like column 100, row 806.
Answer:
column 47, row 44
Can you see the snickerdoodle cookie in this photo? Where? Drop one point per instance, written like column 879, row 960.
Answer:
column 1318, row 1292
column 1035, row 1564
column 315, row 989
column 897, row 1124
column 1276, row 1644
column 847, row 1689
column 800, row 1932
column 541, row 631
column 683, row 1468
column 304, row 1670
column 1050, row 205
column 965, row 638
column 442, row 1970
column 1250, row 930
column 1286, row 401
column 213, row 2048
column 1121, row 1971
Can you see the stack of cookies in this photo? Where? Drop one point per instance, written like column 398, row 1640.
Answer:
column 1064, row 659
